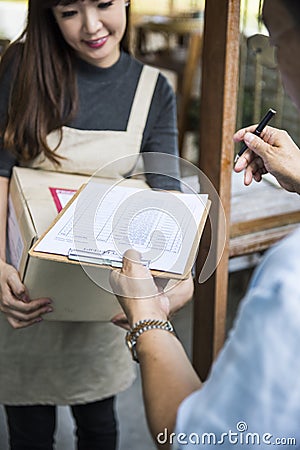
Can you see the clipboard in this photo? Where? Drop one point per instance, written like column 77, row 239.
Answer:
column 104, row 261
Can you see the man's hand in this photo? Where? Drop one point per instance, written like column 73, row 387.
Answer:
column 137, row 292
column 273, row 151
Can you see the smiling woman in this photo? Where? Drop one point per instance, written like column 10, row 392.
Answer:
column 94, row 30
column 45, row 36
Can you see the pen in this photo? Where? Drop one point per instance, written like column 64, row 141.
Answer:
column 257, row 131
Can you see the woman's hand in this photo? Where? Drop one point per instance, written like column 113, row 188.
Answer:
column 273, row 151
column 19, row 310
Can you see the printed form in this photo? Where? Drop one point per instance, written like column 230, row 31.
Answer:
column 104, row 221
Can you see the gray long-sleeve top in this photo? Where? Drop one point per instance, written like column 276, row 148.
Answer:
column 105, row 100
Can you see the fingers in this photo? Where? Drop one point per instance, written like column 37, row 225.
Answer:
column 133, row 283
column 252, row 160
column 17, row 287
column 273, row 151
column 263, row 145
column 256, row 144
column 15, row 303
column 8, row 302
column 269, row 134
column 121, row 321
column 132, row 256
column 256, row 147
column 180, row 293
column 136, row 291
column 254, row 170
column 24, row 313
column 16, row 324
column 132, row 265
column 239, row 135
column 134, row 280
column 244, row 161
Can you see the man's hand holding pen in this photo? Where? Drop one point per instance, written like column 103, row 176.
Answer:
column 273, row 151
column 257, row 131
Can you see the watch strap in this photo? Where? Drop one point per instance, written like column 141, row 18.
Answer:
column 145, row 325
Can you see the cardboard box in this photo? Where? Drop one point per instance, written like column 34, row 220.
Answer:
column 31, row 211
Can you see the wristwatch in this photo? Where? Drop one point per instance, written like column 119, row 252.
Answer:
column 142, row 326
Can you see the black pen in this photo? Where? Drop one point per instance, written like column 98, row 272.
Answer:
column 257, row 131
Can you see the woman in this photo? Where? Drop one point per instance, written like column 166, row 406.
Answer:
column 71, row 99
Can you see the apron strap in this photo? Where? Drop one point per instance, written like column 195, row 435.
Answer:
column 142, row 99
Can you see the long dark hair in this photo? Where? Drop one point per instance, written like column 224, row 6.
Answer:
column 44, row 94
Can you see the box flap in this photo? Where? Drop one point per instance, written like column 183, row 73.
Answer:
column 35, row 184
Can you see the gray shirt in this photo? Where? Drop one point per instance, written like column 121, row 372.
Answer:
column 105, row 100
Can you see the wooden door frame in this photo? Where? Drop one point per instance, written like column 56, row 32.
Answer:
column 219, row 89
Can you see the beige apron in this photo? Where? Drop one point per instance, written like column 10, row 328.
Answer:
column 64, row 362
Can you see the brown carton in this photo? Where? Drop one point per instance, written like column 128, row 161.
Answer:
column 31, row 212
